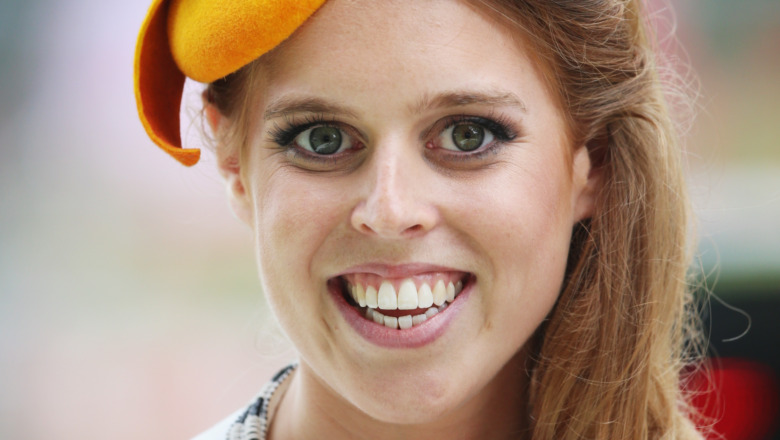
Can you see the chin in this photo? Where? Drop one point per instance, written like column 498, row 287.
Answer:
column 414, row 400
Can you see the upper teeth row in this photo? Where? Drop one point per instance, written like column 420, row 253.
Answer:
column 409, row 297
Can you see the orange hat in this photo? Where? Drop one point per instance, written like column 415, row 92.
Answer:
column 204, row 40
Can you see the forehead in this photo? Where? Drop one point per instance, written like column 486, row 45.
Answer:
column 387, row 59
column 381, row 40
column 390, row 22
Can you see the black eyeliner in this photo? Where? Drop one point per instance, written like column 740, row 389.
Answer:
column 285, row 135
column 499, row 126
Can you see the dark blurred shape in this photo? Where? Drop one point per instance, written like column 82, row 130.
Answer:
column 740, row 392
column 738, row 399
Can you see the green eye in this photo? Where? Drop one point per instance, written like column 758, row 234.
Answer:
column 325, row 140
column 467, row 136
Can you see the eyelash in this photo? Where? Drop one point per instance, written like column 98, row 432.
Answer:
column 499, row 126
column 285, row 135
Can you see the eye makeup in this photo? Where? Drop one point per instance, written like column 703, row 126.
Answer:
column 437, row 140
column 284, row 135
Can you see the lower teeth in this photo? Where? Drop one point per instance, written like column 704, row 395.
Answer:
column 403, row 322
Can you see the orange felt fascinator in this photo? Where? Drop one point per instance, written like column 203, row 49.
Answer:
column 205, row 40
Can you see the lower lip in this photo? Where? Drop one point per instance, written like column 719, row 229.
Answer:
column 427, row 332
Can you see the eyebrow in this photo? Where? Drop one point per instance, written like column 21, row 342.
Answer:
column 462, row 98
column 288, row 105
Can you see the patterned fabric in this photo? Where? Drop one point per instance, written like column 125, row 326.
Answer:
column 253, row 423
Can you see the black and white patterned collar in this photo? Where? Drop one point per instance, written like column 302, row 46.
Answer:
column 253, row 423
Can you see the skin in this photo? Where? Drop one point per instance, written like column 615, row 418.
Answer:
column 399, row 197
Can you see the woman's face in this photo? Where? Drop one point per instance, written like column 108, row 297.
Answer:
column 398, row 148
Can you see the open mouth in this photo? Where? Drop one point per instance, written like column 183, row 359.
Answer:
column 402, row 303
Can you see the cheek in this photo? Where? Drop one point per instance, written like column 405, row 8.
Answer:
column 294, row 215
column 525, row 232
column 530, row 210
column 287, row 227
column 291, row 222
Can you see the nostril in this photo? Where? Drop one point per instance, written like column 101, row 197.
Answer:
column 411, row 230
column 415, row 228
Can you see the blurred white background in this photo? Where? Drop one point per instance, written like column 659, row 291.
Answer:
column 129, row 304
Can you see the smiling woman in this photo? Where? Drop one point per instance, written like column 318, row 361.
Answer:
column 469, row 216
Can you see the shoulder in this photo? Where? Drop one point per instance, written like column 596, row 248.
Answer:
column 251, row 422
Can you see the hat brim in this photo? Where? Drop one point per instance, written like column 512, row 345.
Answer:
column 204, row 40
column 159, row 84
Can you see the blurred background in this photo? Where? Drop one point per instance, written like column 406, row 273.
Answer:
column 129, row 304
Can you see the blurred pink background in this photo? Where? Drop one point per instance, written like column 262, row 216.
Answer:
column 129, row 303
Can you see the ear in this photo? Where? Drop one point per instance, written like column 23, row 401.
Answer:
column 587, row 180
column 228, row 162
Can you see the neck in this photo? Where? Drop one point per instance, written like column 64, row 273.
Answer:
column 311, row 409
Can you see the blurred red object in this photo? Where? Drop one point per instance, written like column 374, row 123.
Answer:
column 737, row 399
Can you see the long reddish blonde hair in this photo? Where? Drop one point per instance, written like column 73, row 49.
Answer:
column 609, row 359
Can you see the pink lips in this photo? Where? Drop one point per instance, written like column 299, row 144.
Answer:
column 396, row 271
column 378, row 334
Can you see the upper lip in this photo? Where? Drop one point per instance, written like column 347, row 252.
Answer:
column 396, row 270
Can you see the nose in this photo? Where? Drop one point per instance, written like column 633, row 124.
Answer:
column 397, row 202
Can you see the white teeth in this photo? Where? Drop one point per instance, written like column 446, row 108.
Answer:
column 371, row 297
column 424, row 297
column 402, row 322
column 407, row 295
column 391, row 321
column 386, row 298
column 408, row 298
column 361, row 295
column 439, row 293
column 450, row 292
